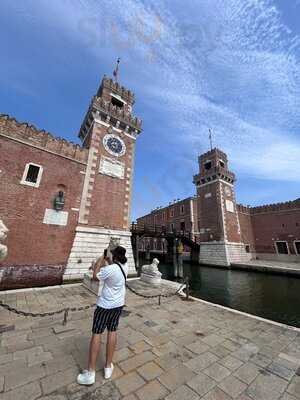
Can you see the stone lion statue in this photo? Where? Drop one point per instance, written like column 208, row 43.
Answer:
column 3, row 235
column 150, row 273
column 151, row 269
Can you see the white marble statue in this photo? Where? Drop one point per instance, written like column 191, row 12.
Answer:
column 3, row 235
column 150, row 273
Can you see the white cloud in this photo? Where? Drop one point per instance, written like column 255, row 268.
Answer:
column 231, row 65
column 278, row 161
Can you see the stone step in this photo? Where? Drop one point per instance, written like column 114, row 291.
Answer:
column 100, row 238
column 89, row 258
column 92, row 240
column 97, row 244
column 93, row 250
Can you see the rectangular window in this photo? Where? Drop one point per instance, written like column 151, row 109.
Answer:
column 172, row 227
column 116, row 102
column 182, row 226
column 247, row 248
column 172, row 212
column 282, row 247
column 182, row 209
column 207, row 165
column 32, row 175
column 297, row 246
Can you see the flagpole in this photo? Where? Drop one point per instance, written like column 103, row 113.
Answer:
column 116, row 70
column 210, row 139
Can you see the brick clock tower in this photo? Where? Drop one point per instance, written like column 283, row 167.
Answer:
column 219, row 226
column 109, row 132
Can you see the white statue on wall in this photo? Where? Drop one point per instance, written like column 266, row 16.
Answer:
column 150, row 273
column 3, row 235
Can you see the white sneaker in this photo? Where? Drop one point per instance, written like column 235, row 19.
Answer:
column 86, row 378
column 108, row 371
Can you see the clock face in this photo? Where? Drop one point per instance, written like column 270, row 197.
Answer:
column 114, row 145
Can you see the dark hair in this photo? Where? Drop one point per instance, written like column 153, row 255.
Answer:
column 119, row 254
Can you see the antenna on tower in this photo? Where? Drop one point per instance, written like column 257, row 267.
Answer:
column 210, row 138
column 116, row 70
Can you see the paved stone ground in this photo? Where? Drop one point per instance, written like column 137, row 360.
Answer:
column 271, row 266
column 179, row 350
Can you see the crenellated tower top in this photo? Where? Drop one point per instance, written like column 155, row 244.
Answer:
column 112, row 105
column 213, row 165
column 110, row 87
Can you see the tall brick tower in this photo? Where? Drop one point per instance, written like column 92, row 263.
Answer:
column 219, row 224
column 109, row 132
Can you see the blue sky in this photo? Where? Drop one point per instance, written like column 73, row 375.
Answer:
column 229, row 65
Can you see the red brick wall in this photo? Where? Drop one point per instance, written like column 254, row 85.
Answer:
column 173, row 214
column 109, row 204
column 209, row 213
column 30, row 134
column 196, row 217
column 277, row 225
column 262, row 226
column 231, row 219
column 22, row 208
column 246, row 227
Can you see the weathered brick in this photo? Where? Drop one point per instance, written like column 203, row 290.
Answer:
column 129, row 383
column 176, row 377
column 53, row 382
column 20, row 376
column 150, row 371
column 31, row 391
column 136, row 361
column 152, row 391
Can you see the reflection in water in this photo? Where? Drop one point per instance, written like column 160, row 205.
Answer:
column 274, row 297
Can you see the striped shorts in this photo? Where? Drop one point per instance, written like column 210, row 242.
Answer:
column 106, row 318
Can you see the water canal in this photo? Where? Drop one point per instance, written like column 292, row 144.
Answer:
column 275, row 297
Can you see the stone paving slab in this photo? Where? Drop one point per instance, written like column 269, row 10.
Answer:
column 178, row 350
column 285, row 268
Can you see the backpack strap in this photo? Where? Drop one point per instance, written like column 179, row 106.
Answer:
column 122, row 270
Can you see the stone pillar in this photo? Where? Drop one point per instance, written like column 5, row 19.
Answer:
column 180, row 266
column 3, row 235
column 89, row 244
column 175, row 263
column 137, row 254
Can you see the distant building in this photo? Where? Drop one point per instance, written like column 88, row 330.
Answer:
column 63, row 202
column 228, row 232
column 179, row 216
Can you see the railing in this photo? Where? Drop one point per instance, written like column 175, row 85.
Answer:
column 162, row 231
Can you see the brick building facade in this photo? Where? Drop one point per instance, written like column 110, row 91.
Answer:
column 272, row 232
column 180, row 216
column 63, row 202
column 231, row 233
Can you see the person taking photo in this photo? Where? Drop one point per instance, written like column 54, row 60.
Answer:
column 113, row 272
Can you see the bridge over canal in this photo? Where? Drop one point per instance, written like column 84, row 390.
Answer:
column 172, row 238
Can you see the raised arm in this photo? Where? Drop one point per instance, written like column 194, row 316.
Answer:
column 100, row 263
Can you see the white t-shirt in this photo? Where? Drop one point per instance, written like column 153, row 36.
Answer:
column 113, row 291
